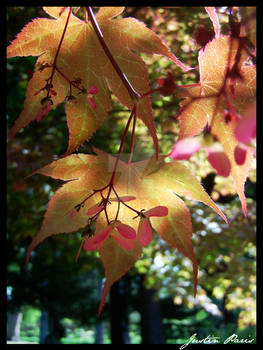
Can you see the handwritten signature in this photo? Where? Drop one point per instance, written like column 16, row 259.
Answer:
column 211, row 339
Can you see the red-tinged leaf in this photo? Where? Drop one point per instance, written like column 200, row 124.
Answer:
column 93, row 243
column 90, row 245
column 79, row 250
column 245, row 93
column 246, row 127
column 47, row 109
column 215, row 94
column 124, row 36
column 117, row 262
column 102, row 235
column 215, row 20
column 126, row 231
column 185, row 148
column 92, row 103
column 125, row 243
column 225, row 134
column 157, row 211
column 144, row 234
column 220, row 162
column 240, row 155
column 123, row 199
column 199, row 106
column 94, row 210
column 93, row 90
column 40, row 115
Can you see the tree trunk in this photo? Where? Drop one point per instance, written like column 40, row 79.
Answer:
column 99, row 330
column 13, row 325
column 43, row 327
column 99, row 335
column 119, row 316
column 55, row 330
column 152, row 331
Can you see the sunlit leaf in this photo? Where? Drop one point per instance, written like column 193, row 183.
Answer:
column 205, row 103
column 81, row 58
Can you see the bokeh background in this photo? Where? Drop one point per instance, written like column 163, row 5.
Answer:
column 55, row 300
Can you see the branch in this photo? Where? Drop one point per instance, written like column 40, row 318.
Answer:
column 135, row 96
column 59, row 47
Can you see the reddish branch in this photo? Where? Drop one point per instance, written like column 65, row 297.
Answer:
column 59, row 47
column 135, row 96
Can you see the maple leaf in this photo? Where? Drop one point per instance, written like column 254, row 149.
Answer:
column 205, row 103
column 185, row 148
column 239, row 173
column 150, row 184
column 83, row 63
column 144, row 228
column 117, row 262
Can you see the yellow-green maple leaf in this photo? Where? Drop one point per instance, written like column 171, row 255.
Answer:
column 82, row 57
column 153, row 183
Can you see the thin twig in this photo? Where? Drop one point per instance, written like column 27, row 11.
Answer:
column 58, row 49
column 135, row 96
column 133, row 136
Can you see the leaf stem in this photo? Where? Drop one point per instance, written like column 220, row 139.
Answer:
column 58, row 49
column 78, row 206
column 86, row 15
column 120, row 201
column 118, row 209
column 110, row 185
column 150, row 92
column 105, row 205
column 68, row 80
column 133, row 113
column 133, row 137
column 126, row 205
column 62, row 37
